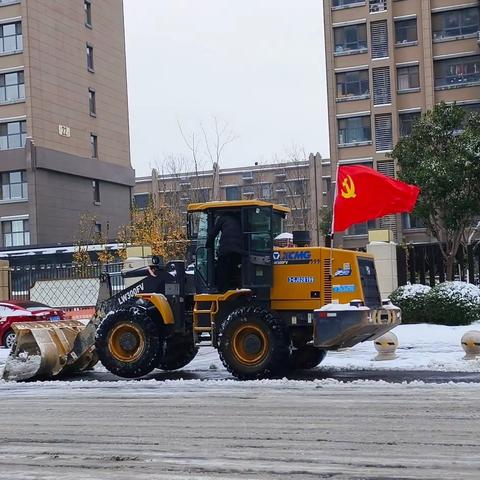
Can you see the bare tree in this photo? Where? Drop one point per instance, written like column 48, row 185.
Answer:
column 295, row 187
column 207, row 151
column 216, row 142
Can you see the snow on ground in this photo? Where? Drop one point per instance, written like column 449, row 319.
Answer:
column 421, row 347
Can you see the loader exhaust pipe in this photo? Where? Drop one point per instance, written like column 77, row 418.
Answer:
column 301, row 238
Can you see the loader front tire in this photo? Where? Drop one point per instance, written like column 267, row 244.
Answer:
column 128, row 343
column 179, row 351
column 253, row 343
column 306, row 357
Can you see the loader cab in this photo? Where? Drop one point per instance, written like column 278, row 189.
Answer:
column 260, row 223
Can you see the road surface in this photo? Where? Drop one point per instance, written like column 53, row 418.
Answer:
column 192, row 429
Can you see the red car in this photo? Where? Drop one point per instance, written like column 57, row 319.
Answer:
column 11, row 312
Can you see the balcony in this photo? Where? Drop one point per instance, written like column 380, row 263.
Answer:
column 457, row 72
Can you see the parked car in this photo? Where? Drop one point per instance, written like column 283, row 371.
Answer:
column 20, row 311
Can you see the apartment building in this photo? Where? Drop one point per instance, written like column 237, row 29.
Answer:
column 387, row 62
column 299, row 185
column 64, row 134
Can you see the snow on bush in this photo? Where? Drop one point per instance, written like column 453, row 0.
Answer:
column 453, row 303
column 449, row 303
column 409, row 291
column 411, row 299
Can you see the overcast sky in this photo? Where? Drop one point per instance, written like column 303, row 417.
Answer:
column 256, row 64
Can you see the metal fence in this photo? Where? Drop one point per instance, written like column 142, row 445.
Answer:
column 65, row 285
column 424, row 263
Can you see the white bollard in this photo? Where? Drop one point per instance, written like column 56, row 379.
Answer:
column 386, row 345
column 471, row 344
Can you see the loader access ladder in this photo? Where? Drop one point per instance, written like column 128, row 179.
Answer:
column 214, row 301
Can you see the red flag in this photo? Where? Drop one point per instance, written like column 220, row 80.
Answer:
column 364, row 194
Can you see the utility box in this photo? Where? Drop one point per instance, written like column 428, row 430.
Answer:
column 380, row 236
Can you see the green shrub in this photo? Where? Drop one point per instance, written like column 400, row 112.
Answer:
column 412, row 301
column 449, row 303
column 453, row 303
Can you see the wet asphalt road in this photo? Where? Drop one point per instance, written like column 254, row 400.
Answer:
column 389, row 376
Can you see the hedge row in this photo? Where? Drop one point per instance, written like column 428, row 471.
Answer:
column 449, row 303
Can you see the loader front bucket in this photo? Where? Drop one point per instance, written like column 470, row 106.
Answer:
column 48, row 349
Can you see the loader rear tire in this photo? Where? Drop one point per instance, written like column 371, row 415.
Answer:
column 253, row 343
column 306, row 357
column 128, row 343
column 179, row 351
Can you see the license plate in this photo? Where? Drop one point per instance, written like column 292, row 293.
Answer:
column 55, row 318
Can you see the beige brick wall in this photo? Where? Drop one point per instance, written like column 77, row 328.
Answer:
column 58, row 80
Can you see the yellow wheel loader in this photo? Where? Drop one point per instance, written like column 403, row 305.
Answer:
column 284, row 308
column 278, row 316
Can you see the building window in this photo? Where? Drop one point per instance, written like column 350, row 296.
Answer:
column 350, row 39
column 13, row 135
column 351, row 85
column 457, row 72
column 410, row 220
column 233, row 193
column 16, row 233
column 406, row 31
column 90, row 64
column 87, row 5
column 12, row 87
column 98, row 230
column 408, row 78
column 93, row 145
column 361, row 228
column 11, row 39
column 202, row 195
column 345, row 3
column 382, row 91
column 377, row 5
column 379, row 34
column 14, row 186
column 354, row 130
column 383, row 132
column 266, row 191
column 92, row 102
column 298, row 187
column 141, row 200
column 407, row 120
column 456, row 23
column 96, row 191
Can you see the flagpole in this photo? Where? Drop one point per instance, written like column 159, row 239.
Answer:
column 332, row 233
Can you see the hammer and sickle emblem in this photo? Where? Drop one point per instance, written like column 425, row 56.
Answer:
column 348, row 190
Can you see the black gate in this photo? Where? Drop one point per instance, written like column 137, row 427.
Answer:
column 424, row 263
